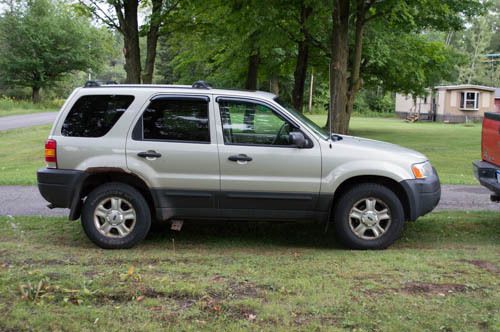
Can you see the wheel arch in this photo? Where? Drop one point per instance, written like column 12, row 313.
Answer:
column 97, row 177
column 389, row 183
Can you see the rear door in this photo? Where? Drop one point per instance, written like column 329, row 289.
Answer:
column 173, row 148
column 262, row 174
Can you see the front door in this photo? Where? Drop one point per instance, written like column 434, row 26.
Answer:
column 262, row 173
column 173, row 148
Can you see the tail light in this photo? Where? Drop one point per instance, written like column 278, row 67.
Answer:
column 51, row 153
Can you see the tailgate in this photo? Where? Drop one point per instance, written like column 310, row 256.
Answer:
column 490, row 146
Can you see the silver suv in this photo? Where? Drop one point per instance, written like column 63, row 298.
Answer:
column 119, row 156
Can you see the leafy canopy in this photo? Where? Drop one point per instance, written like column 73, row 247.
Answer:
column 42, row 40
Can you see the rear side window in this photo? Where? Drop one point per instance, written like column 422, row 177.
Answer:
column 184, row 120
column 95, row 115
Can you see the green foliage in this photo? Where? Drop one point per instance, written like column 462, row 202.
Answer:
column 418, row 62
column 477, row 40
column 372, row 101
column 495, row 25
column 43, row 40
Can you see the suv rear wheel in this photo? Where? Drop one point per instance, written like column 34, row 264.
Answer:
column 116, row 216
column 368, row 216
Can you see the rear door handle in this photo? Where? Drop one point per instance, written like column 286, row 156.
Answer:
column 150, row 154
column 240, row 157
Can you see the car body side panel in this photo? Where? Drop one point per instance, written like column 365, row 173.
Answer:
column 182, row 166
column 82, row 153
column 339, row 165
column 273, row 169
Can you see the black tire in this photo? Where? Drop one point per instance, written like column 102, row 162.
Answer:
column 137, row 202
column 343, row 222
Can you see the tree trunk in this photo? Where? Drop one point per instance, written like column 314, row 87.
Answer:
column 35, row 95
column 253, row 70
column 152, row 41
column 355, row 79
column 300, row 72
column 130, row 27
column 339, row 66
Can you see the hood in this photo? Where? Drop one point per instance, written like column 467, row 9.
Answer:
column 383, row 150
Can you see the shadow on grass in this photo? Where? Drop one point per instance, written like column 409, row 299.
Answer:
column 246, row 234
column 438, row 230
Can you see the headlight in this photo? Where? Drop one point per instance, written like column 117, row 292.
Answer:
column 422, row 170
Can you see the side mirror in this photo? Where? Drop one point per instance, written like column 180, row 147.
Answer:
column 297, row 139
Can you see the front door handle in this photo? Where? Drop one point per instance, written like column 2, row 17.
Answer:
column 150, row 154
column 240, row 157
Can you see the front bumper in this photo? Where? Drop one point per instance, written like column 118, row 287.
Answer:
column 59, row 186
column 423, row 195
column 485, row 173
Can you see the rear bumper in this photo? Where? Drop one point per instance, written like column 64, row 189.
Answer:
column 423, row 195
column 58, row 186
column 485, row 173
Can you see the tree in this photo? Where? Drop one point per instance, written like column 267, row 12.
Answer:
column 410, row 15
column 43, row 40
column 124, row 18
column 271, row 50
column 476, row 40
column 419, row 61
column 223, row 41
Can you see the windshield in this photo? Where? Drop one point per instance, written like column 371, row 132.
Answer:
column 304, row 119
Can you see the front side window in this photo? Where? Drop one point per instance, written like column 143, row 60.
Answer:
column 469, row 100
column 304, row 119
column 177, row 120
column 95, row 115
column 253, row 124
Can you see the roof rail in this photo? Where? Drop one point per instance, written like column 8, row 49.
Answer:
column 201, row 85
column 94, row 83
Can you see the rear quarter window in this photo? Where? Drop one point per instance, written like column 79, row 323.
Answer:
column 95, row 115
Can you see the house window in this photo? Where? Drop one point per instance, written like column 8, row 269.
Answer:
column 469, row 100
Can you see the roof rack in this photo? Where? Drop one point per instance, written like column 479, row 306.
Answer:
column 94, row 83
column 100, row 83
column 201, row 85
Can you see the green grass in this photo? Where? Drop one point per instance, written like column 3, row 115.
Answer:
column 17, row 107
column 22, row 111
column 442, row 275
column 21, row 154
column 450, row 147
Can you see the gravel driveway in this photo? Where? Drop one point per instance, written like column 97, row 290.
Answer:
column 26, row 120
column 21, row 200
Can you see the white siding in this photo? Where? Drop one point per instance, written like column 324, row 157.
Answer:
column 453, row 99
column 486, row 99
column 441, row 101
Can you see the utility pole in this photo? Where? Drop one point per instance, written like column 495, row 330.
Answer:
column 311, row 91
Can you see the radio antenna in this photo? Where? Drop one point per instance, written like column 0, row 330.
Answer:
column 330, row 117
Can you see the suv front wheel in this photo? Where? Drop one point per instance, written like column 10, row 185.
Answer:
column 368, row 216
column 116, row 216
